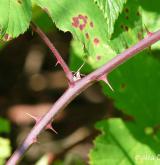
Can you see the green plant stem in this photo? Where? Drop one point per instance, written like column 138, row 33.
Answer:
column 75, row 90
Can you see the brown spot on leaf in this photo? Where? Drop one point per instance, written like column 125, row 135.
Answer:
column 126, row 17
column 139, row 35
column 126, row 10
column 126, row 28
column 81, row 27
column 138, row 14
column 6, row 36
column 81, row 16
column 123, row 86
column 46, row 10
column 96, row 41
column 122, row 26
column 19, row 1
column 98, row 57
column 91, row 24
column 75, row 22
column 87, row 35
column 79, row 22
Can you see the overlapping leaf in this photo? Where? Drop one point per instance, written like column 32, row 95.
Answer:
column 123, row 143
column 5, row 149
column 136, row 84
column 151, row 17
column 42, row 20
column 87, row 23
column 4, row 125
column 15, row 17
column 111, row 10
column 128, row 31
column 137, row 91
column 5, row 146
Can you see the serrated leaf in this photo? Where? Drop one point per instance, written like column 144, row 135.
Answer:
column 128, row 30
column 151, row 17
column 85, row 21
column 42, row 20
column 111, row 10
column 137, row 92
column 128, row 27
column 136, row 83
column 15, row 18
column 123, row 143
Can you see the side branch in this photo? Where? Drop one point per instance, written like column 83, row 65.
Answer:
column 80, row 86
column 50, row 45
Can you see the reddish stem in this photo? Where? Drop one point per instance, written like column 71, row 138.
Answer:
column 50, row 45
column 80, row 86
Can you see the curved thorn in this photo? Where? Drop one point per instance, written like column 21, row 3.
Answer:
column 36, row 119
column 33, row 117
column 34, row 140
column 104, row 78
column 57, row 63
column 148, row 32
column 49, row 126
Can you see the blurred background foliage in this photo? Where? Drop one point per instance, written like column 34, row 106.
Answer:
column 30, row 83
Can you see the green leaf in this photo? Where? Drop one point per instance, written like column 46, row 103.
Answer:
column 111, row 10
column 4, row 125
column 151, row 11
column 136, row 82
column 15, row 18
column 136, row 86
column 123, row 143
column 128, row 28
column 128, row 31
column 42, row 20
column 76, row 60
column 85, row 21
column 43, row 160
column 5, row 149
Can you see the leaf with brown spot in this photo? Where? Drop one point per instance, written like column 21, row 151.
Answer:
column 15, row 18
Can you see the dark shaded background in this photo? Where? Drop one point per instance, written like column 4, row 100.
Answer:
column 30, row 83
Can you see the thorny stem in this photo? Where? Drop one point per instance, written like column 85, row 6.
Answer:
column 50, row 45
column 75, row 90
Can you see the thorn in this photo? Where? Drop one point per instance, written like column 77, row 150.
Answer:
column 57, row 63
column 34, row 140
column 80, row 67
column 36, row 119
column 104, row 78
column 148, row 32
column 49, row 126
column 33, row 117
